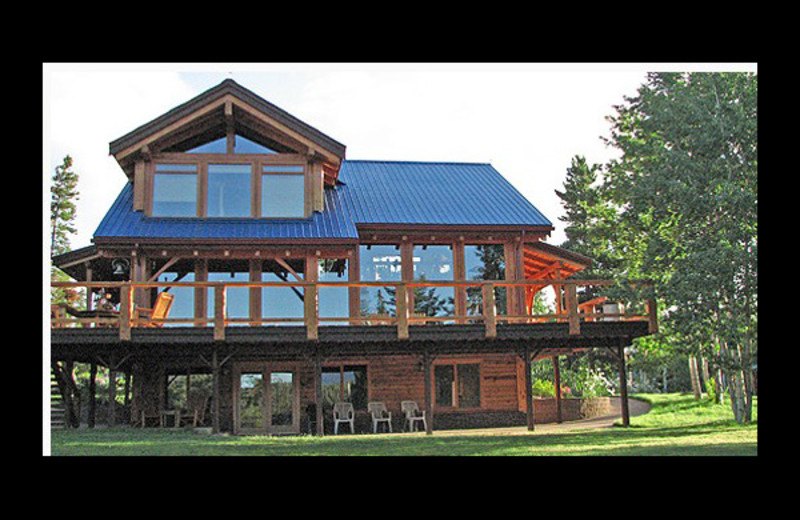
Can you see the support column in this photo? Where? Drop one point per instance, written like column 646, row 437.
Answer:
column 215, row 383
column 528, row 390
column 92, row 394
column 623, row 386
column 426, row 362
column 318, row 391
column 557, row 382
column 112, row 394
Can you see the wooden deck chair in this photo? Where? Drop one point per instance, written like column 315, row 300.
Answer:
column 413, row 415
column 159, row 311
column 343, row 413
column 195, row 411
column 379, row 414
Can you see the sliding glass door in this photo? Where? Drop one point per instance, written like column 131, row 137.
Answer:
column 266, row 399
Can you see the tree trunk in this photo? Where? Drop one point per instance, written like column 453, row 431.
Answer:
column 694, row 377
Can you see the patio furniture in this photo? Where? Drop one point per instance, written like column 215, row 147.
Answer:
column 379, row 414
column 413, row 415
column 171, row 413
column 159, row 311
column 343, row 413
column 196, row 409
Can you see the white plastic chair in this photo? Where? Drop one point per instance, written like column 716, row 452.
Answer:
column 343, row 413
column 379, row 414
column 413, row 414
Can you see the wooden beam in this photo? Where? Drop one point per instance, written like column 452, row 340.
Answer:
column 528, row 390
column 216, row 389
column 402, row 310
column 557, row 383
column 219, row 311
column 318, row 391
column 291, row 271
column 172, row 261
column 489, row 311
column 572, row 310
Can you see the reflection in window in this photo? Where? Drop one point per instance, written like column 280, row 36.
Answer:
column 379, row 263
column 283, row 192
column 345, row 383
column 281, row 302
column 485, row 262
column 183, row 303
column 175, row 190
column 240, row 145
column 229, row 190
column 334, row 302
column 457, row 385
column 433, row 263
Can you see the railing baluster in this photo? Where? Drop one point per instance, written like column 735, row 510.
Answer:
column 401, row 301
column 489, row 311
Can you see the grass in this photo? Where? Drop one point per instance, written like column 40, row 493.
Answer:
column 677, row 424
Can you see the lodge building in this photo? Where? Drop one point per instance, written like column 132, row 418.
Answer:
column 247, row 253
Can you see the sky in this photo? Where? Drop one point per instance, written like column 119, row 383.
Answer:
column 527, row 120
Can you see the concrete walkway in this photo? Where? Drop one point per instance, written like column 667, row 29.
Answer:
column 635, row 407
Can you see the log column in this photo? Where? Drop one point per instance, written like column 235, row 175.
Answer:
column 557, row 382
column 623, row 386
column 528, row 390
column 426, row 362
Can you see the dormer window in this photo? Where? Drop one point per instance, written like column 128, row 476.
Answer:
column 282, row 191
column 229, row 190
column 175, row 190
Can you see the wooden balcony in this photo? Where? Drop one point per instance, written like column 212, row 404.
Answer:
column 573, row 321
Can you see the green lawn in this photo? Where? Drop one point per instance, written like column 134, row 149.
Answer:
column 676, row 425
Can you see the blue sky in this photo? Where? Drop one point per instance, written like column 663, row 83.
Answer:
column 527, row 120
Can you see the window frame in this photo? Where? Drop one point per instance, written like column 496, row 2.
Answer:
column 257, row 163
column 340, row 367
column 455, row 397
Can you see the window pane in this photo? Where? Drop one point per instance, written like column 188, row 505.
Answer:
column 444, row 376
column 433, row 263
column 469, row 395
column 485, row 262
column 282, row 398
column 355, row 386
column 282, row 196
column 281, row 302
column 175, row 195
column 331, row 386
column 229, row 190
column 334, row 302
column 183, row 303
column 251, row 400
column 237, row 303
column 379, row 263
column 243, row 145
column 217, row 146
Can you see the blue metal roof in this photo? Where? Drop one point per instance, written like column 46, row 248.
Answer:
column 399, row 192
column 373, row 192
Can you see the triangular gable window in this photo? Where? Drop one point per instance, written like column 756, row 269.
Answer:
column 240, row 145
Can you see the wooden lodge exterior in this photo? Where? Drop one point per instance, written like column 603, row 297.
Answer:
column 299, row 279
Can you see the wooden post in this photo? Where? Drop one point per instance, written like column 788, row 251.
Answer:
column 112, row 393
column 623, row 387
column 528, row 390
column 572, row 310
column 402, row 304
column 219, row 311
column 557, row 382
column 426, row 363
column 125, row 312
column 92, row 394
column 318, row 390
column 652, row 316
column 215, row 384
column 311, row 312
column 489, row 311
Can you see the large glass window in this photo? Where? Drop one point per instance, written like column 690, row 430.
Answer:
column 237, row 302
column 485, row 262
column 334, row 302
column 345, row 383
column 379, row 263
column 457, row 385
column 282, row 302
column 183, row 304
column 175, row 190
column 433, row 263
column 229, row 190
column 283, row 192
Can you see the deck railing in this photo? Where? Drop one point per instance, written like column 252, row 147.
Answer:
column 573, row 313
